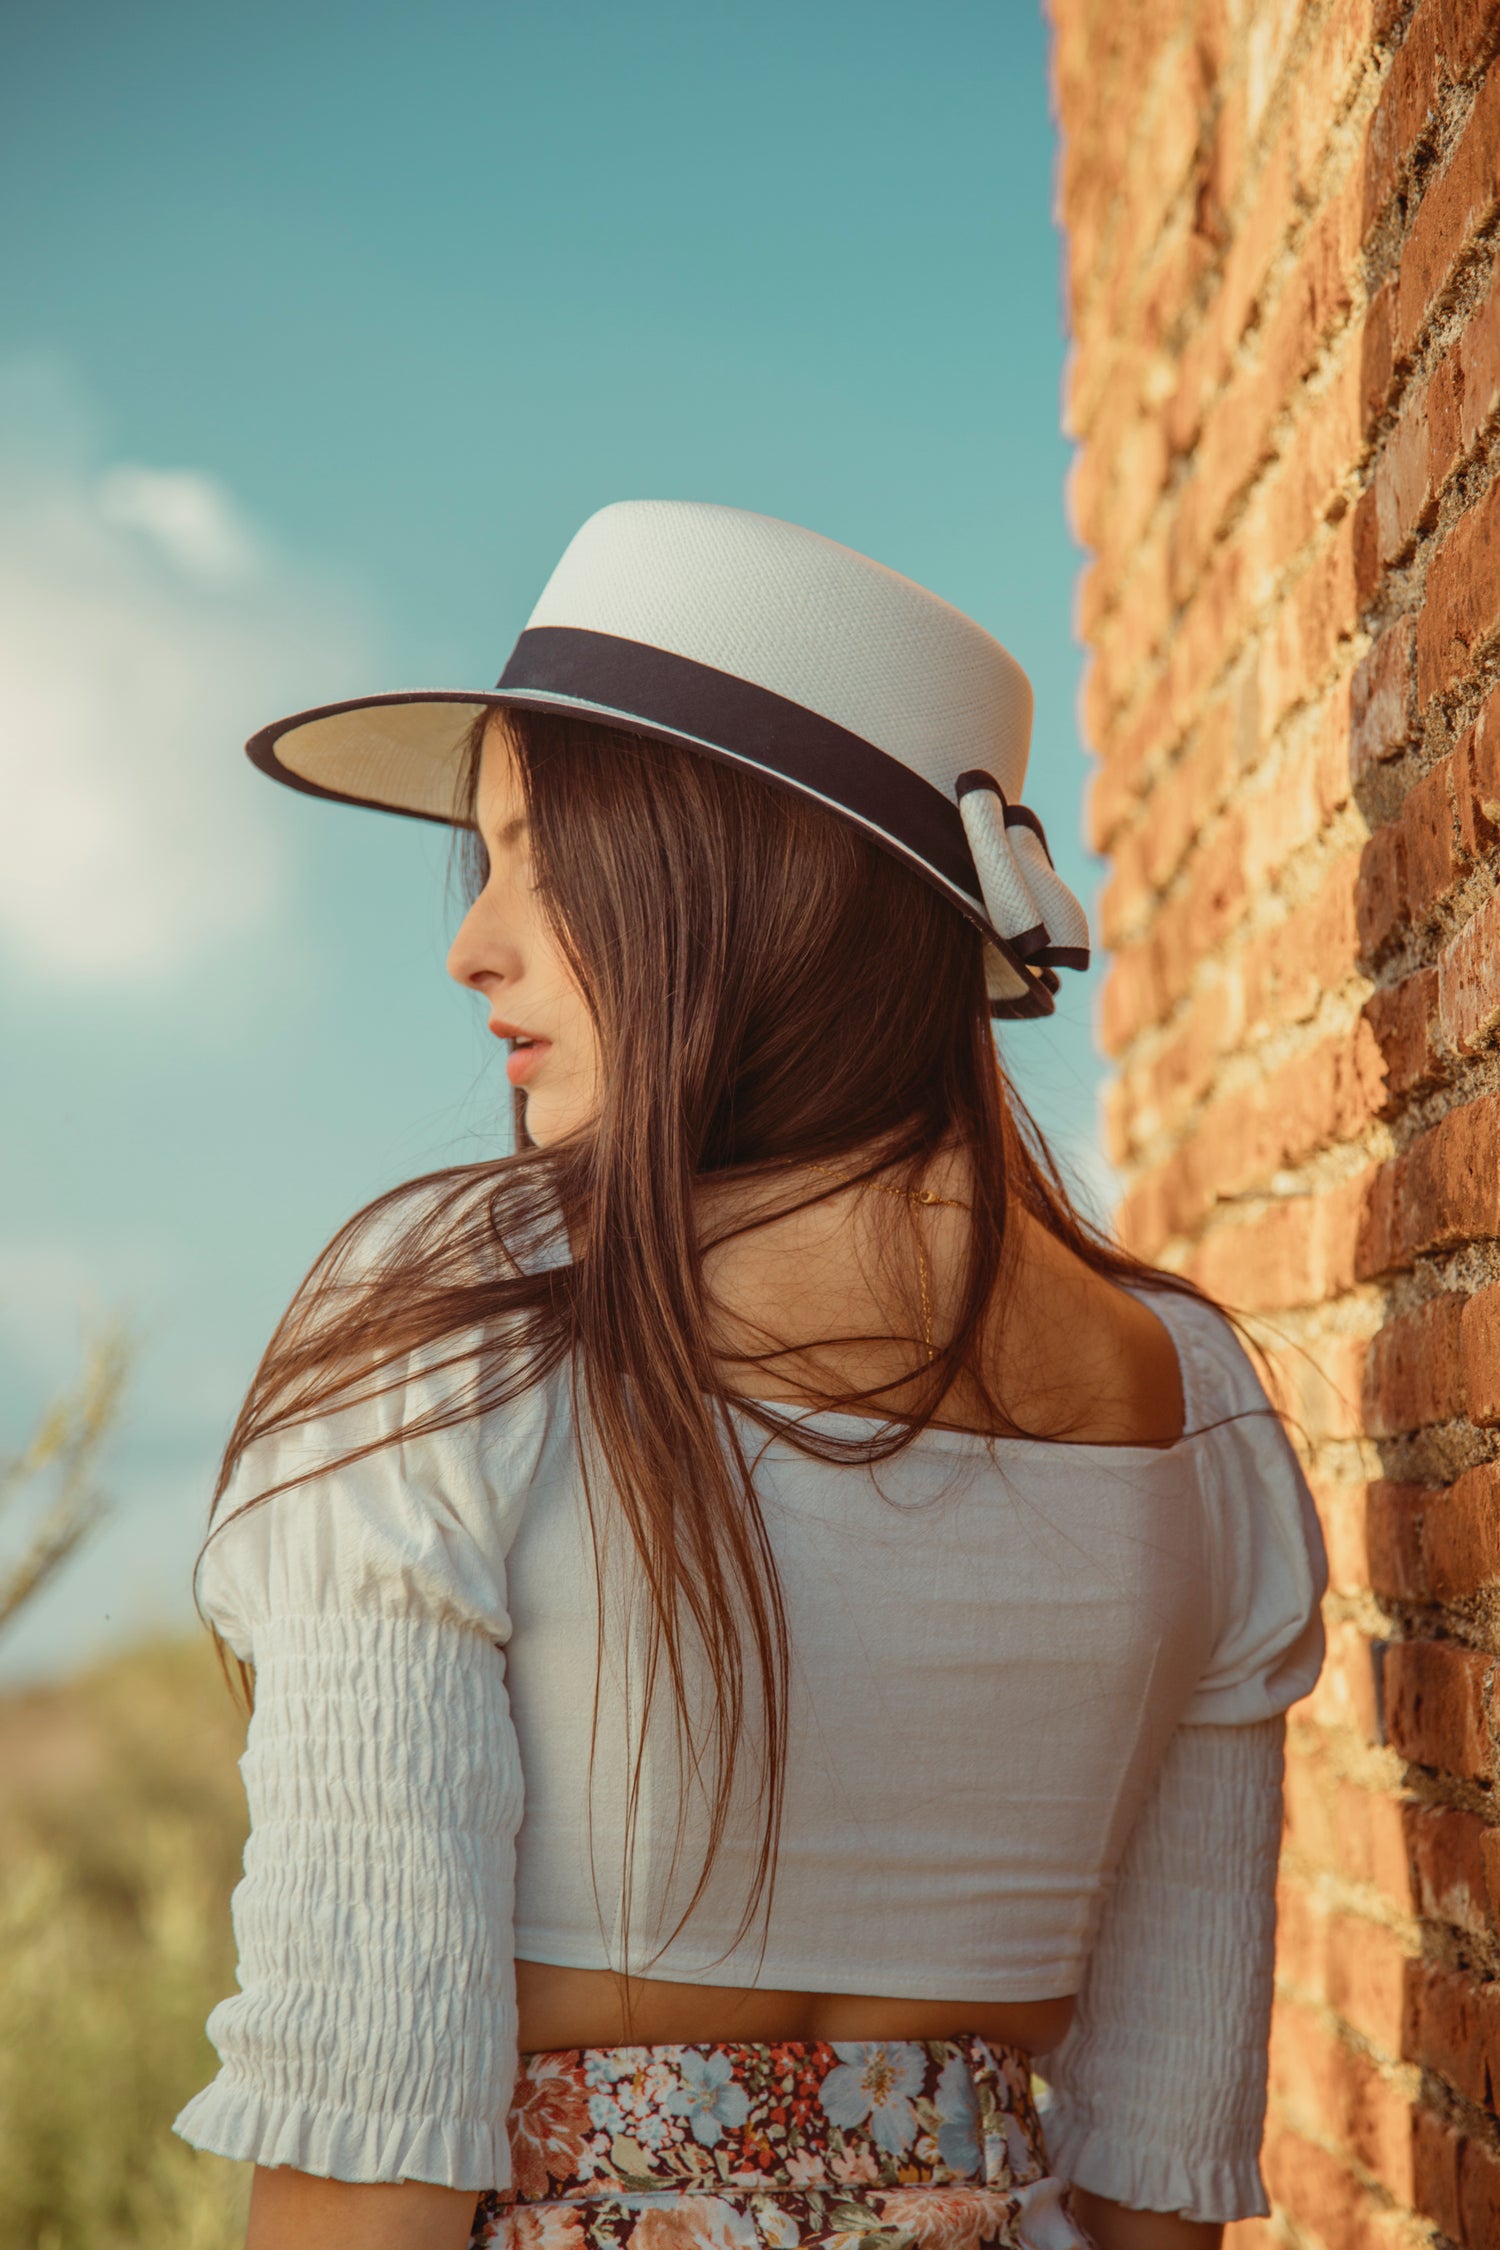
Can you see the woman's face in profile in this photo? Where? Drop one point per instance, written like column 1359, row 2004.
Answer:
column 507, row 950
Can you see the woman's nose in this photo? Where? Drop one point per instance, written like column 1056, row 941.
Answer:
column 474, row 955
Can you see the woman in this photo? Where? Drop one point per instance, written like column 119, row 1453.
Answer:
column 762, row 1621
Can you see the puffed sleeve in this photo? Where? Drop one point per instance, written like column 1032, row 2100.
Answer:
column 1157, row 2094
column 374, row 2033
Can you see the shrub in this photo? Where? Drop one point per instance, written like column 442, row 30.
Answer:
column 122, row 1824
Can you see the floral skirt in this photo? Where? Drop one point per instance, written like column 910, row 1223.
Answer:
column 799, row 2145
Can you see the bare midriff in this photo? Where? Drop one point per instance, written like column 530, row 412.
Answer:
column 588, row 2008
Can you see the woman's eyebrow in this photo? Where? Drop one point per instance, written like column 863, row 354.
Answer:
column 512, row 831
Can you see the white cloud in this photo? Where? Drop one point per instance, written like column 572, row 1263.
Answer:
column 192, row 520
column 145, row 628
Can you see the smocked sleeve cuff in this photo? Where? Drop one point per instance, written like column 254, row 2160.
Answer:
column 374, row 2034
column 1144, row 2178
column 1157, row 2094
column 235, row 2118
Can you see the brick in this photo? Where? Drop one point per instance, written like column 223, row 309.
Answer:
column 1308, row 633
column 1201, row 913
column 1331, row 2089
column 1439, row 423
column 1143, row 1221
column 1402, row 1018
column 1476, row 782
column 1324, row 1096
column 1453, row 2027
column 1395, row 1558
column 1298, row 1250
column 1455, row 208
column 1406, row 475
column 1134, row 629
column 1310, row 1825
column 1307, row 487
column 1380, row 1246
column 1332, row 2204
column 1252, row 2234
column 1371, row 1842
column 1239, row 444
column 1380, row 904
column 1367, row 1979
column 1377, row 354
column 1131, row 998
column 1110, row 796
column 1444, row 1190
column 1383, row 712
column 1445, row 40
column 1318, row 1388
column 1452, row 1179
column 1414, row 1374
column 1446, row 1184
column 1324, row 740
column 1266, row 220
column 1436, row 2152
column 1432, row 862
column 1347, row 1694
column 1184, row 1066
column 1181, row 804
column 1285, row 971
column 1479, row 1351
column 1410, row 865
column 1453, row 1879
column 1324, row 79
column 1461, row 1535
column 1167, row 102
column 1113, row 485
column 1312, row 206
column 1468, row 977
column 1301, row 1939
column 1461, row 612
column 1477, row 391
column 1465, row 393
column 1435, row 1706
column 1478, row 2196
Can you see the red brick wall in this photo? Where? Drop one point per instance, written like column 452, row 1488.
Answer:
column 1283, row 231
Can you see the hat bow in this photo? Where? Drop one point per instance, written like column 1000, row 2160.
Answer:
column 1024, row 896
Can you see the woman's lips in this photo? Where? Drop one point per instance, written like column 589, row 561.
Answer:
column 522, row 1062
column 527, row 1051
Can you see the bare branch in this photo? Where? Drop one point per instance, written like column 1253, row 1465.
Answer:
column 65, row 1446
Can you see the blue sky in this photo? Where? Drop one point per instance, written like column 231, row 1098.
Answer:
column 323, row 330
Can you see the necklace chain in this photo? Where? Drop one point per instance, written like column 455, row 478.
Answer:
column 916, row 1197
column 912, row 1195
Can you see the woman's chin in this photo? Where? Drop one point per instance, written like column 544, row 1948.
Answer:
column 549, row 1121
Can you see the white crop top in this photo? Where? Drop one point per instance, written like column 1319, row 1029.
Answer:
column 1034, row 1750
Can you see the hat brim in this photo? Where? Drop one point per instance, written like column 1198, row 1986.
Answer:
column 404, row 753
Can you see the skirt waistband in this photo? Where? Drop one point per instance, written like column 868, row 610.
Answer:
column 898, row 2113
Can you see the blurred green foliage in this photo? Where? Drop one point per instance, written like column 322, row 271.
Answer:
column 122, row 1823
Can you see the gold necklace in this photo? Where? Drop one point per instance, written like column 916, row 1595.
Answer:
column 915, row 1196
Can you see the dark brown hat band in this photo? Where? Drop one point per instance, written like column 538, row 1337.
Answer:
column 652, row 689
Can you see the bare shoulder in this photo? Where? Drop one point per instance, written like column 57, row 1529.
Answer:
column 1085, row 1358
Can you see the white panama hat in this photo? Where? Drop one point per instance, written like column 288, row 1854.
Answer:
column 755, row 641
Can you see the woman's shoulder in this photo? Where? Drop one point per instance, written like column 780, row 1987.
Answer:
column 391, row 1463
column 1086, row 1358
column 478, row 1222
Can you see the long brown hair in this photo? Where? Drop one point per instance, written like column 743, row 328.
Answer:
column 772, row 991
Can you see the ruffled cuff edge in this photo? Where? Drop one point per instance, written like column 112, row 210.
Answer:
column 1145, row 2178
column 232, row 2119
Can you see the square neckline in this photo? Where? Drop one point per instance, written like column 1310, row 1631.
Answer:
column 952, row 1437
